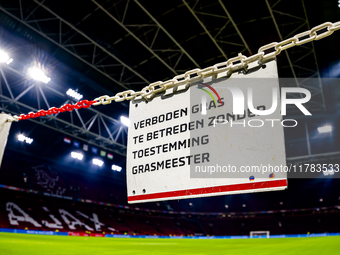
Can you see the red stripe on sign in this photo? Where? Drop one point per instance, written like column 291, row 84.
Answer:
column 212, row 190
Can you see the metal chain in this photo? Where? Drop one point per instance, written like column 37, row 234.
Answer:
column 53, row 110
column 228, row 67
column 265, row 54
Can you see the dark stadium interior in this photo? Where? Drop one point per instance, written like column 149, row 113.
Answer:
column 98, row 48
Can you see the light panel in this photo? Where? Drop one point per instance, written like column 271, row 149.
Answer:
column 116, row 168
column 97, row 162
column 38, row 75
column 328, row 172
column 74, row 94
column 325, row 129
column 77, row 155
column 125, row 120
column 4, row 58
column 25, row 139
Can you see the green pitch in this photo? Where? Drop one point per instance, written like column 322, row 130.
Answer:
column 18, row 244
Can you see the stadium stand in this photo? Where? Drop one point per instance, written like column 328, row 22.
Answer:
column 80, row 217
column 79, row 199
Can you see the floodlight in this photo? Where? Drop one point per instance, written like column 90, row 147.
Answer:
column 9, row 61
column 29, row 140
column 116, row 168
column 38, row 74
column 74, row 94
column 325, row 129
column 125, row 121
column 4, row 58
column 328, row 172
column 77, row 155
column 97, row 162
column 23, row 138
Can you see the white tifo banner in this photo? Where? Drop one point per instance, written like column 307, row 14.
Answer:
column 193, row 144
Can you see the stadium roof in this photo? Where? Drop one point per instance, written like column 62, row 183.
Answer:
column 103, row 47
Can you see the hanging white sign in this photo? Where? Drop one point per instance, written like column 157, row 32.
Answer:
column 220, row 136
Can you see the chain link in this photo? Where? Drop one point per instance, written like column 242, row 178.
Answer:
column 328, row 32
column 228, row 67
column 55, row 110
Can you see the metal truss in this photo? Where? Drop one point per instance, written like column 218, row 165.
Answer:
column 308, row 72
column 148, row 48
column 76, row 42
column 213, row 17
column 88, row 125
column 218, row 35
column 183, row 51
column 152, row 36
